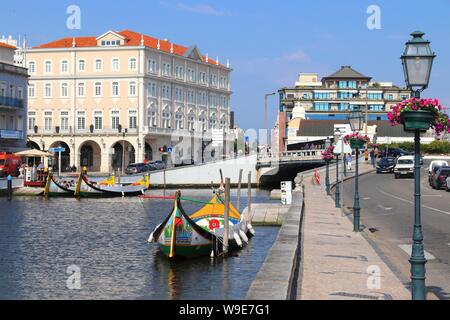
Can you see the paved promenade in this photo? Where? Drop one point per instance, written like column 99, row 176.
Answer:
column 338, row 264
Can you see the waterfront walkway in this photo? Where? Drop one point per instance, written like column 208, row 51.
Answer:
column 337, row 263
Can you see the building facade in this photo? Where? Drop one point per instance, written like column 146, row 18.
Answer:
column 123, row 97
column 332, row 98
column 13, row 101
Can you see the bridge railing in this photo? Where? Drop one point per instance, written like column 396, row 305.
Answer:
column 297, row 155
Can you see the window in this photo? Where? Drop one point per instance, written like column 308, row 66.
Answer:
column 167, row 91
column 202, row 120
column 81, row 120
column 48, row 66
column 115, row 64
column 115, row 89
column 98, row 120
column 151, row 90
column 179, row 120
column 105, row 43
column 132, row 64
column 190, row 96
column 81, row 89
column 115, row 119
column 48, row 120
column 191, row 75
column 223, row 122
column 82, row 65
column 151, row 116
column 132, row 89
column 64, row 90
column 167, row 69
column 321, row 106
column 31, row 67
column 98, row 89
column 20, row 92
column 48, row 90
column 179, row 95
column 64, row 66
column 132, row 119
column 166, row 117
column 212, row 121
column 203, row 77
column 179, row 72
column 31, row 90
column 213, row 101
column 191, row 121
column 202, row 98
column 375, row 96
column 151, row 66
column 31, row 120
column 64, row 121
column 98, row 64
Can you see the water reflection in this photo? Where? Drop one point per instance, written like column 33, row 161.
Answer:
column 107, row 238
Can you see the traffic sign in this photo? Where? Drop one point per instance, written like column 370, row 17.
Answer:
column 169, row 150
column 56, row 150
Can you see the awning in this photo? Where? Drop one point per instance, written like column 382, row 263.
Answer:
column 34, row 153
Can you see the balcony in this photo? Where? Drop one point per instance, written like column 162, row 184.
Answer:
column 58, row 131
column 11, row 102
column 11, row 134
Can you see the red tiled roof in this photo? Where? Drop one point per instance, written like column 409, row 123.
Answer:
column 131, row 39
column 4, row 45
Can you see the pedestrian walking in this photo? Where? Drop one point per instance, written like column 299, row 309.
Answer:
column 372, row 157
column 349, row 162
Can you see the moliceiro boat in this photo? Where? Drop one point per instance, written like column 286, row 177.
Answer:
column 81, row 186
column 202, row 233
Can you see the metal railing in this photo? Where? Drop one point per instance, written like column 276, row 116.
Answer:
column 287, row 156
column 11, row 102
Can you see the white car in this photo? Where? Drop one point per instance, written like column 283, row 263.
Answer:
column 437, row 163
column 404, row 167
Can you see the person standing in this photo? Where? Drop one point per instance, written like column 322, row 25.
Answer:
column 372, row 157
column 366, row 155
column 349, row 162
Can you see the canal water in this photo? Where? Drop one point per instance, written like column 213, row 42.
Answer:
column 42, row 240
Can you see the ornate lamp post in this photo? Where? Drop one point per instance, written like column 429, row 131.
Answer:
column 327, row 161
column 417, row 61
column 356, row 123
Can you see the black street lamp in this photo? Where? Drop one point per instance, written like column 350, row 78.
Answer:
column 417, row 62
column 327, row 178
column 337, row 194
column 356, row 123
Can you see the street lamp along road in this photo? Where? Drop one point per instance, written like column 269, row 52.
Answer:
column 327, row 178
column 337, row 195
column 417, row 62
column 356, row 123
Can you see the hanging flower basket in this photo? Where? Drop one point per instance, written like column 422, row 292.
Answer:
column 416, row 120
column 356, row 140
column 328, row 155
column 420, row 114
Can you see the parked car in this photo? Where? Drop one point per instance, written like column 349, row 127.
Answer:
column 447, row 186
column 156, row 165
column 386, row 165
column 397, row 152
column 439, row 180
column 404, row 167
column 136, row 168
column 437, row 163
column 432, row 174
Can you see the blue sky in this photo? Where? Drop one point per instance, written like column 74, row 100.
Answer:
column 268, row 42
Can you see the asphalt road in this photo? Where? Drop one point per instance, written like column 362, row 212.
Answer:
column 387, row 208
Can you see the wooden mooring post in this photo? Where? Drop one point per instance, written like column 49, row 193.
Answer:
column 238, row 200
column 226, row 217
column 249, row 197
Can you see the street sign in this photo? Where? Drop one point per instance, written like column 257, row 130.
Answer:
column 56, row 150
column 169, row 150
column 338, row 148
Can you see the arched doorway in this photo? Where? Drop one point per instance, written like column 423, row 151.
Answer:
column 65, row 157
column 121, row 157
column 148, row 152
column 33, row 145
column 90, row 156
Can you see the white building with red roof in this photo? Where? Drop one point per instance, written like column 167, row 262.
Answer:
column 96, row 95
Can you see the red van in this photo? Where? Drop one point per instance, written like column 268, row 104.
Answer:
column 9, row 164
